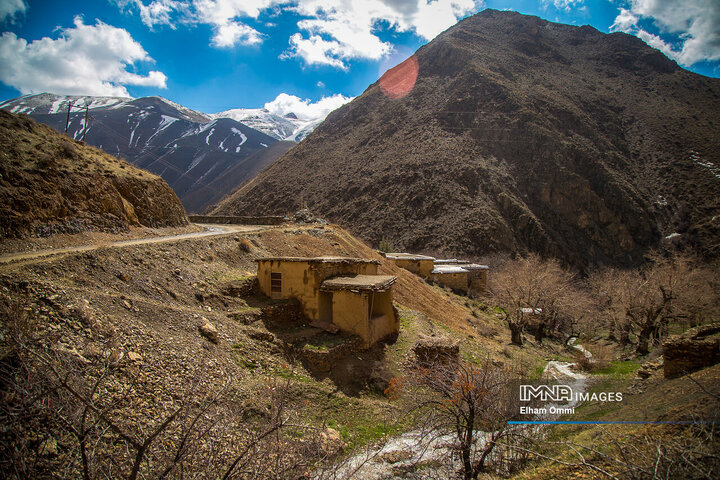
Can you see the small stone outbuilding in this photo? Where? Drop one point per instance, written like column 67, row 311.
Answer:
column 459, row 275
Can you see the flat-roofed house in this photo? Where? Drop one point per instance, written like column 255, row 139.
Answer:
column 420, row 265
column 334, row 291
column 461, row 276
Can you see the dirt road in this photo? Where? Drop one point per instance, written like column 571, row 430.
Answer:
column 209, row 231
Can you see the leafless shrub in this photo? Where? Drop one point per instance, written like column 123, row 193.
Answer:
column 601, row 357
column 460, row 400
column 56, row 400
column 657, row 452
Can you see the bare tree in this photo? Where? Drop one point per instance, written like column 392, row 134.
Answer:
column 609, row 289
column 466, row 401
column 534, row 290
column 647, row 300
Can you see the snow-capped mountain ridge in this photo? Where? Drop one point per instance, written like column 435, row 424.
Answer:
column 281, row 127
column 189, row 149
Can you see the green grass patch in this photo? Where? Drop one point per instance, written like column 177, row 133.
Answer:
column 619, row 368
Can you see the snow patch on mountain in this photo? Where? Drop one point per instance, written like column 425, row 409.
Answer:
column 287, row 127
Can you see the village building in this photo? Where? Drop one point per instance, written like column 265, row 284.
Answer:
column 335, row 293
column 460, row 275
column 420, row 265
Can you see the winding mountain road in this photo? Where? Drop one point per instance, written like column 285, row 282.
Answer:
column 209, row 231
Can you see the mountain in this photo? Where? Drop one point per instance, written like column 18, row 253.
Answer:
column 281, row 127
column 188, row 149
column 50, row 184
column 518, row 135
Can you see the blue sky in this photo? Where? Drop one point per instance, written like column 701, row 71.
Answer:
column 214, row 55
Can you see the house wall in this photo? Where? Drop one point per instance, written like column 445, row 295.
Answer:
column 383, row 321
column 456, row 281
column 478, row 280
column 302, row 280
column 350, row 313
column 418, row 267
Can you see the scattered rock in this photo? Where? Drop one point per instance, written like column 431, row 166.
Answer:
column 209, row 331
column 394, row 456
column 261, row 335
column 331, row 442
column 134, row 357
column 306, row 216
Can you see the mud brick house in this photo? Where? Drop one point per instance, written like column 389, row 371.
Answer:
column 420, row 265
column 457, row 274
column 335, row 293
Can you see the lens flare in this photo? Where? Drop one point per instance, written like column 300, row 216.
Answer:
column 400, row 80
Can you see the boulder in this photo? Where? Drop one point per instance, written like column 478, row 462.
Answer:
column 209, row 331
column 330, row 441
column 697, row 348
column 430, row 350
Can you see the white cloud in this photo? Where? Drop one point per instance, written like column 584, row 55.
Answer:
column 230, row 33
column 330, row 32
column 306, row 109
column 157, row 12
column 566, row 5
column 693, row 24
column 340, row 30
column 11, row 9
column 85, row 60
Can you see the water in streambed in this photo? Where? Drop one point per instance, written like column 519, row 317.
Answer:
column 422, row 455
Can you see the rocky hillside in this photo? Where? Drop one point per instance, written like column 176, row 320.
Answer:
column 51, row 184
column 129, row 320
column 519, row 134
column 188, row 149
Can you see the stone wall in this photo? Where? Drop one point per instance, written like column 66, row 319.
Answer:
column 226, row 220
column 697, row 348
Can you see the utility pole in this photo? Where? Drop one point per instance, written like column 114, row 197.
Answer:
column 67, row 121
column 86, row 123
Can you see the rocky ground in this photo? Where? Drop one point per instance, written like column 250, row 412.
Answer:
column 177, row 331
column 158, row 327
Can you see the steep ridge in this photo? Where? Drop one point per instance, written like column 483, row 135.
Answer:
column 188, row 149
column 519, row 134
column 51, row 184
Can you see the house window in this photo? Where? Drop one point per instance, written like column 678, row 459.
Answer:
column 276, row 282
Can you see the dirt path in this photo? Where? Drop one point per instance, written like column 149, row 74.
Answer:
column 209, row 231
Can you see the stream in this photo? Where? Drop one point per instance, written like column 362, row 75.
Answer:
column 415, row 450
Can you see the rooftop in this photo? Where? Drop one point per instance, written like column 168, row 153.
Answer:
column 449, row 269
column 359, row 282
column 450, row 261
column 317, row 260
column 475, row 266
column 407, row 256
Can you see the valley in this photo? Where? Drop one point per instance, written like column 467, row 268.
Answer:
column 499, row 261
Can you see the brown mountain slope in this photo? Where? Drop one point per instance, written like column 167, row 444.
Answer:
column 52, row 184
column 520, row 134
column 207, row 196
